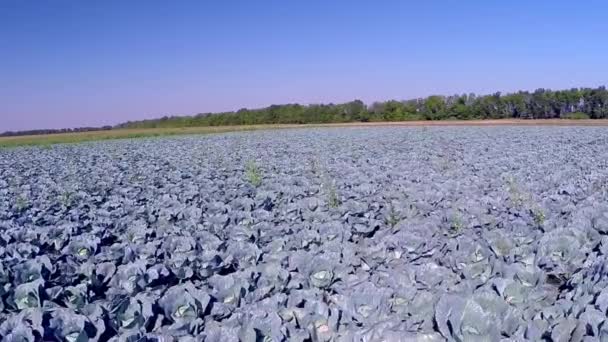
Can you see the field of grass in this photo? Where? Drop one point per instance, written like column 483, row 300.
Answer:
column 70, row 138
column 63, row 138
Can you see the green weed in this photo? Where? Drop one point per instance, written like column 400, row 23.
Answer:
column 253, row 174
column 66, row 198
column 539, row 215
column 456, row 226
column 515, row 193
column 21, row 203
column 332, row 197
column 393, row 217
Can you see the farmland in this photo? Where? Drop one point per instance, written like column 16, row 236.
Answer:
column 415, row 233
column 46, row 140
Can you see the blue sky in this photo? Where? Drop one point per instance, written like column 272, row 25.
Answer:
column 88, row 63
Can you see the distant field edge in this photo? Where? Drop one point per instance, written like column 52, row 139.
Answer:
column 63, row 138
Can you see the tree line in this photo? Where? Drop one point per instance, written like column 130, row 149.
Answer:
column 54, row 131
column 576, row 103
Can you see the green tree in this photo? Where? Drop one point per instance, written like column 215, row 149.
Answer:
column 434, row 108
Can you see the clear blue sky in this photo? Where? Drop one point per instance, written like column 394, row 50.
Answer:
column 87, row 63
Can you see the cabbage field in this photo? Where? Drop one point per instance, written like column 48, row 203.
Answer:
column 327, row 234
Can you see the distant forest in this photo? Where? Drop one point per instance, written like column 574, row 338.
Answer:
column 576, row 103
column 54, row 131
